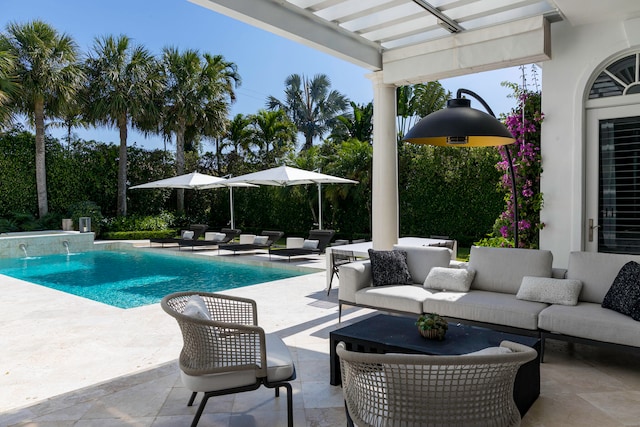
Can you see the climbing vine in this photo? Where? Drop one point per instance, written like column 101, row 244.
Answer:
column 524, row 122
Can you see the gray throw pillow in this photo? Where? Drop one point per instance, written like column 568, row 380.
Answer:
column 389, row 268
column 549, row 290
column 624, row 294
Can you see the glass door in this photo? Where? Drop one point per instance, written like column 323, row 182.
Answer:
column 612, row 178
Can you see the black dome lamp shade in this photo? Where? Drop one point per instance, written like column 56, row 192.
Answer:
column 459, row 125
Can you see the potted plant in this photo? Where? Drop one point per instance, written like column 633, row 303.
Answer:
column 432, row 326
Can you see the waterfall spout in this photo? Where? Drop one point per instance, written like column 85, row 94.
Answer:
column 65, row 243
column 23, row 246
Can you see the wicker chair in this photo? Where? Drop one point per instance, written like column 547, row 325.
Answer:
column 225, row 351
column 421, row 390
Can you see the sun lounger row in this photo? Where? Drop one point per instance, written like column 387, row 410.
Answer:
column 315, row 244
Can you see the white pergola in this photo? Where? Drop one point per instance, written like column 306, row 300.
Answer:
column 414, row 41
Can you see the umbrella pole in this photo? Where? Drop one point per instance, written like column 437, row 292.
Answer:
column 233, row 225
column 319, row 206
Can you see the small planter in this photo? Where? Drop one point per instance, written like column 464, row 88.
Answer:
column 432, row 326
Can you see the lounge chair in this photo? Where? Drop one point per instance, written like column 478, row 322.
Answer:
column 262, row 242
column 315, row 244
column 225, row 351
column 194, row 232
column 225, row 236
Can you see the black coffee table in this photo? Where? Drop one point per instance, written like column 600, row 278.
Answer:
column 385, row 333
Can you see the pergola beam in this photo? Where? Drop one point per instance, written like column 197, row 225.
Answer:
column 515, row 43
column 300, row 26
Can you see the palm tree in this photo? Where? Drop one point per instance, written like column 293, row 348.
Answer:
column 239, row 133
column 198, row 93
column 416, row 101
column 8, row 85
column 273, row 134
column 49, row 77
column 355, row 125
column 124, row 84
column 310, row 104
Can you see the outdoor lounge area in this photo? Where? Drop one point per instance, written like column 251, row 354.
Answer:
column 98, row 370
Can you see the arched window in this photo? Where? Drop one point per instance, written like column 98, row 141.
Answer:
column 622, row 77
column 613, row 149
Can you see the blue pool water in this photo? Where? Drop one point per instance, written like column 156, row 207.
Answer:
column 129, row 279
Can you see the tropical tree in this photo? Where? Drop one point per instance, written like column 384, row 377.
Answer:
column 124, row 84
column 239, row 133
column 198, row 93
column 273, row 134
column 417, row 101
column 357, row 124
column 49, row 76
column 310, row 104
column 8, row 85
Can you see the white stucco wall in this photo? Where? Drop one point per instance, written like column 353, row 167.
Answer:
column 577, row 53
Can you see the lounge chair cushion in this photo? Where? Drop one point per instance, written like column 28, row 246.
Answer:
column 389, row 268
column 550, row 290
column 217, row 237
column 310, row 244
column 260, row 240
column 187, row 234
column 449, row 279
column 624, row 294
column 196, row 307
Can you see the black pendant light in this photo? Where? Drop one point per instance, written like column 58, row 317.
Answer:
column 459, row 125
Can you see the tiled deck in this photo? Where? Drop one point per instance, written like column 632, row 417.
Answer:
column 67, row 361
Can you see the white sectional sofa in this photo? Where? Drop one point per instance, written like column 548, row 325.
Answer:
column 493, row 298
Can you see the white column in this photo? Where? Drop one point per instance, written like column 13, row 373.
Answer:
column 384, row 186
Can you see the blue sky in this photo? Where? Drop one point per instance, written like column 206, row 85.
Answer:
column 264, row 60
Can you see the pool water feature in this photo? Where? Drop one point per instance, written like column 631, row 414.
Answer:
column 36, row 243
column 128, row 279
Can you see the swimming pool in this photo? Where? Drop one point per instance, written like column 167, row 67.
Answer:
column 128, row 279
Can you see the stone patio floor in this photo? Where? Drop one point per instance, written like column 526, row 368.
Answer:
column 67, row 361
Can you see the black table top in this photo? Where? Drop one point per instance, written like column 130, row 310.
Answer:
column 400, row 333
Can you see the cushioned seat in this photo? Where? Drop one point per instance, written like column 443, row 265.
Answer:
column 225, row 351
column 261, row 242
column 320, row 239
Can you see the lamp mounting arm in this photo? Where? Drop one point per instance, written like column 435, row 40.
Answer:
column 477, row 97
column 512, row 173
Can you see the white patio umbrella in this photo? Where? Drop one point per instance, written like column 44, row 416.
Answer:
column 196, row 181
column 283, row 176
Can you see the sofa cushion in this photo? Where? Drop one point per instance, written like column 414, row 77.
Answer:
column 624, row 294
column 449, row 279
column 596, row 271
column 389, row 268
column 552, row 291
column 502, row 269
column 395, row 298
column 591, row 321
column 421, row 259
column 487, row 307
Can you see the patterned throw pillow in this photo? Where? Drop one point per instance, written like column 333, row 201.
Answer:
column 389, row 268
column 624, row 294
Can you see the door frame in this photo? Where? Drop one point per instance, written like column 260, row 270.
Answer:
column 596, row 110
